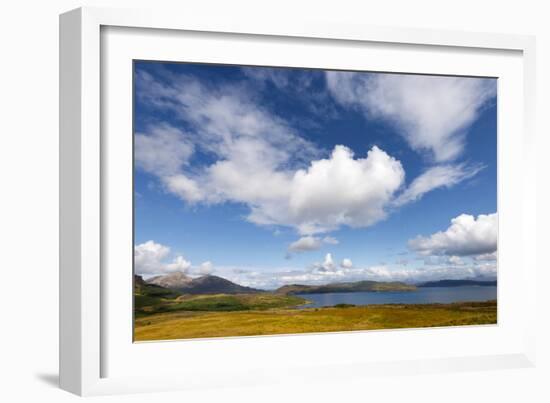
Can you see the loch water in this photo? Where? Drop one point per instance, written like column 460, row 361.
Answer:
column 422, row 295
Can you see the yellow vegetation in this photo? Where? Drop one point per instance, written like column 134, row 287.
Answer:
column 187, row 324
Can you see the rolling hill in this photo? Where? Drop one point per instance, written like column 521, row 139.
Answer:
column 357, row 286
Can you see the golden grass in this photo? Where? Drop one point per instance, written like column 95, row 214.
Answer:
column 186, row 325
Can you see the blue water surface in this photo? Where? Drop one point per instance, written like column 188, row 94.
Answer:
column 422, row 295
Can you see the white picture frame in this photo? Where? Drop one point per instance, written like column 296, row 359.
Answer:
column 85, row 344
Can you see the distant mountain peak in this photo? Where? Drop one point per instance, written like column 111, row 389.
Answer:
column 173, row 280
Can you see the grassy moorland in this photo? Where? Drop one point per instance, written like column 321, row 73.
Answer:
column 263, row 314
column 146, row 304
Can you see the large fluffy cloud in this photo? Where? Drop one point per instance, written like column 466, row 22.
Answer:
column 342, row 190
column 432, row 113
column 466, row 236
column 332, row 192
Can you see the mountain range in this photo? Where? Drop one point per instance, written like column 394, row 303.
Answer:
column 210, row 284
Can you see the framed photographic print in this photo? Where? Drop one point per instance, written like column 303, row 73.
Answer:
column 260, row 193
column 291, row 188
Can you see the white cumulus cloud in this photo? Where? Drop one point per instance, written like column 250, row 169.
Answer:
column 153, row 258
column 466, row 236
column 343, row 190
column 148, row 257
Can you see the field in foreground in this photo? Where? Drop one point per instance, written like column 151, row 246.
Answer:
column 202, row 324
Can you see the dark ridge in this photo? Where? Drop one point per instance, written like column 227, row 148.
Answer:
column 458, row 283
column 358, row 286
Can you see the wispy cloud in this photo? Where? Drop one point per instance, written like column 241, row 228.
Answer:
column 432, row 113
column 437, row 177
column 163, row 150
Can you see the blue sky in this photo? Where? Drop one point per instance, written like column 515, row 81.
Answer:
column 268, row 176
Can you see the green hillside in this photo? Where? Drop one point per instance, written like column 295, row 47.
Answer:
column 358, row 286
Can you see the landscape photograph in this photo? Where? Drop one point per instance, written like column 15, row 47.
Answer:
column 283, row 200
